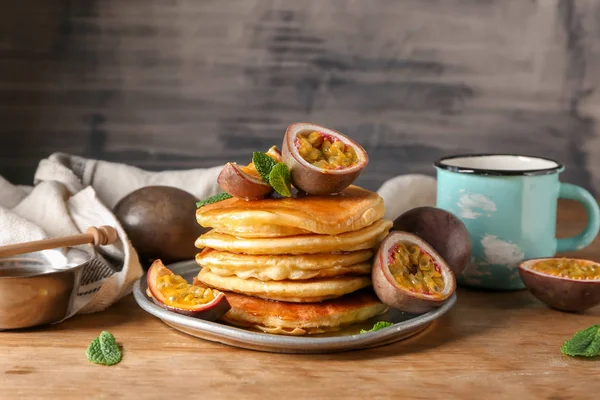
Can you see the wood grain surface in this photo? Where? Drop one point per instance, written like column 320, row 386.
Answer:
column 491, row 345
column 179, row 84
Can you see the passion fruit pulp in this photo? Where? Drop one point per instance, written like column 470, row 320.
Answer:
column 409, row 275
column 244, row 181
column 321, row 161
column 174, row 293
column 444, row 231
column 325, row 151
column 565, row 284
column 414, row 269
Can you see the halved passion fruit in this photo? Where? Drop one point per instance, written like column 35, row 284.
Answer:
column 409, row 275
column 566, row 284
column 174, row 293
column 246, row 182
column 444, row 231
column 321, row 160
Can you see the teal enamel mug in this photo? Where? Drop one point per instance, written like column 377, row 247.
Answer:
column 508, row 204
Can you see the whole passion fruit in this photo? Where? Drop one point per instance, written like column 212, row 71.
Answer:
column 444, row 231
column 321, row 160
column 409, row 275
column 565, row 284
column 174, row 293
column 246, row 182
column 161, row 223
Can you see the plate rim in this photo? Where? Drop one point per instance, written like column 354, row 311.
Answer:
column 282, row 342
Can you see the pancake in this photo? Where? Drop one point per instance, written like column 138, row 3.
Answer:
column 291, row 291
column 282, row 267
column 257, row 231
column 280, row 274
column 302, row 319
column 351, row 210
column 366, row 238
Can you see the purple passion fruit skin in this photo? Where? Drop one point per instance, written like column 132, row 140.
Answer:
column 406, row 286
column 441, row 229
column 245, row 182
column 565, row 284
column 234, row 180
column 168, row 235
column 173, row 293
column 319, row 168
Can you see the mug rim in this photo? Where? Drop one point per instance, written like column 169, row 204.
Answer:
column 440, row 163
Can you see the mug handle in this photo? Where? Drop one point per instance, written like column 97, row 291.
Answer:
column 574, row 192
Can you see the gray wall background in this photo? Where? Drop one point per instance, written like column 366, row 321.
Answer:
column 170, row 84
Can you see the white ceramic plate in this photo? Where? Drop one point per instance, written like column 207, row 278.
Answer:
column 405, row 325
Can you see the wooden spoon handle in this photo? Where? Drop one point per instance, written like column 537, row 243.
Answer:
column 100, row 236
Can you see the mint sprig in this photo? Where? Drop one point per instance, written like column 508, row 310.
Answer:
column 584, row 343
column 213, row 199
column 264, row 164
column 280, row 179
column 378, row 325
column 104, row 350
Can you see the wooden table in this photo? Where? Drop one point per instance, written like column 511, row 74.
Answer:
column 490, row 345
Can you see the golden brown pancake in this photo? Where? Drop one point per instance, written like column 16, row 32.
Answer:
column 280, row 267
column 365, row 238
column 302, row 319
column 280, row 274
column 292, row 291
column 351, row 210
column 257, row 231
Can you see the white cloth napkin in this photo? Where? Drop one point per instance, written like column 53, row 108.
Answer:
column 71, row 193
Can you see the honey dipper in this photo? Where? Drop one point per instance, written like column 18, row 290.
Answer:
column 98, row 236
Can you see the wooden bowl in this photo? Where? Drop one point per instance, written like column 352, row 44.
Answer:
column 39, row 288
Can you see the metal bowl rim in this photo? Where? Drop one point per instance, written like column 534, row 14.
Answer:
column 48, row 270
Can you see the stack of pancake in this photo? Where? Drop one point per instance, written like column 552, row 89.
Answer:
column 294, row 265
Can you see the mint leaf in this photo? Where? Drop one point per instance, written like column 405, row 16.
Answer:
column 584, row 343
column 104, row 350
column 279, row 179
column 378, row 325
column 110, row 349
column 213, row 199
column 264, row 164
column 94, row 352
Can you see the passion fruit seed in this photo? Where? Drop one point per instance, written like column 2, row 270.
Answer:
column 179, row 292
column 568, row 268
column 324, row 151
column 414, row 270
